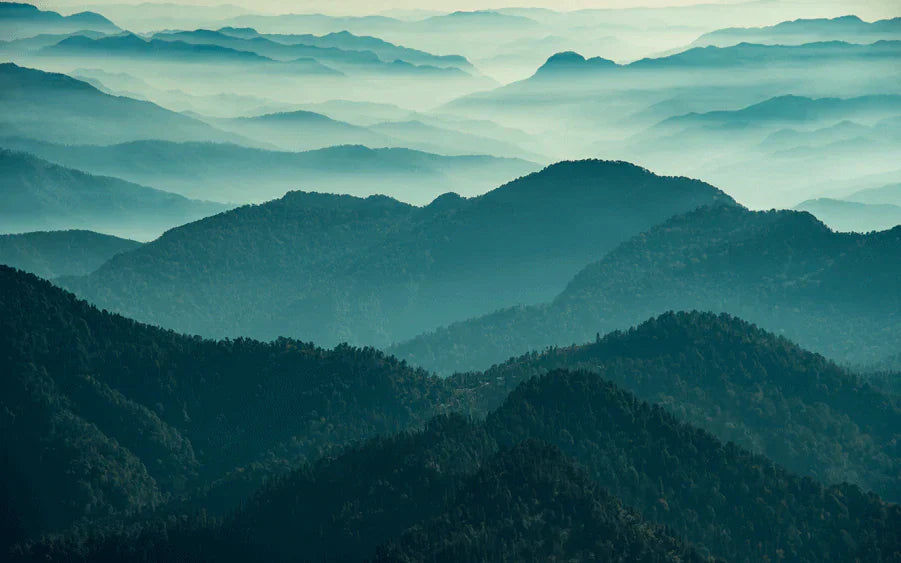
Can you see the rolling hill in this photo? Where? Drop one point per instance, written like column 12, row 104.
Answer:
column 846, row 28
column 19, row 21
column 228, row 172
column 338, row 268
column 39, row 195
column 831, row 292
column 51, row 254
column 854, row 216
column 56, row 108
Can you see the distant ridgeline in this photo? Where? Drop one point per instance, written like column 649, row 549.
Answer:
column 834, row 293
column 374, row 271
column 154, row 442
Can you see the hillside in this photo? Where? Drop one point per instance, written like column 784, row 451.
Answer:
column 103, row 416
column 51, row 254
column 464, row 490
column 228, row 172
column 833, row 293
column 39, row 195
column 374, row 271
column 743, row 385
column 59, row 109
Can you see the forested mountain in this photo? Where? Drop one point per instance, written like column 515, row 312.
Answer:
column 50, row 254
column 474, row 491
column 227, row 172
column 59, row 109
column 103, row 416
column 338, row 268
column 38, row 195
column 137, row 418
column 833, row 293
column 25, row 20
column 743, row 385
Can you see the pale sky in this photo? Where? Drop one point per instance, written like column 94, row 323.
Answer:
column 874, row 8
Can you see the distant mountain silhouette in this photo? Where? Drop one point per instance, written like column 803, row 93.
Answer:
column 234, row 173
column 38, row 195
column 852, row 215
column 50, row 254
column 337, row 268
column 846, row 28
column 352, row 61
column 56, row 108
column 129, row 45
column 346, row 41
column 789, row 109
column 25, row 20
column 890, row 194
column 831, row 292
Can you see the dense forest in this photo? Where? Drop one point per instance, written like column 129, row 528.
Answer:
column 742, row 384
column 485, row 490
column 104, row 416
column 374, row 271
column 124, row 441
column 833, row 293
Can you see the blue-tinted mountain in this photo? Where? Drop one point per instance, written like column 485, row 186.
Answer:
column 131, row 46
column 51, row 254
column 29, row 45
column 38, row 195
column 890, row 194
column 25, row 20
column 783, row 270
column 338, row 268
column 850, row 29
column 843, row 215
column 345, row 40
column 790, row 109
column 228, row 172
column 56, row 108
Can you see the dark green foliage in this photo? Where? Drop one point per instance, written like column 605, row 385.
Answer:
column 743, row 385
column 103, row 416
column 833, row 293
column 735, row 504
column 474, row 491
column 337, row 268
column 530, row 504
column 51, row 254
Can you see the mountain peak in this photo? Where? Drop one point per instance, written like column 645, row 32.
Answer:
column 572, row 61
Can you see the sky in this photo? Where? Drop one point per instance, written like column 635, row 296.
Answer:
column 877, row 8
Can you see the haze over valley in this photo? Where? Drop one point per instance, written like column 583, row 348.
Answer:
column 450, row 281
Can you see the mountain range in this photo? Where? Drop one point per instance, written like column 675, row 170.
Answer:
column 25, row 20
column 56, row 108
column 784, row 270
column 227, row 172
column 339, row 268
column 143, row 429
column 51, row 254
column 39, row 195
column 846, row 28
